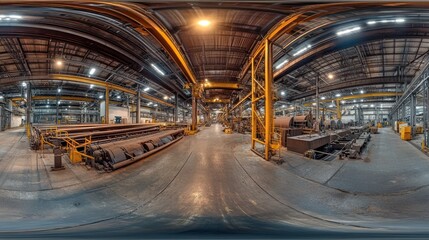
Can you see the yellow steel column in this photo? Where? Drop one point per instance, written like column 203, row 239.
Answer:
column 338, row 110
column 106, row 107
column 253, row 92
column 268, row 98
column 194, row 109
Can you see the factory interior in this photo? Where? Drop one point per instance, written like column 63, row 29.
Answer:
column 214, row 119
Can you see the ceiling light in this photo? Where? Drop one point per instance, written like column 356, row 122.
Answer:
column 24, row 84
column 371, row 22
column 332, row 105
column 155, row 105
column 118, row 97
column 323, row 98
column 204, row 23
column 372, row 105
column 59, row 63
column 400, row 20
column 91, row 86
column 283, row 106
column 157, row 69
column 354, row 100
column 343, row 101
column 206, row 80
column 59, row 90
column 47, row 105
column 302, row 50
column 338, row 95
column 330, row 76
column 165, row 97
column 361, row 100
column 92, row 71
column 348, row 30
column 282, row 63
column 362, row 91
column 282, row 93
column 314, row 104
column 1, row 97
column 100, row 97
column 146, row 89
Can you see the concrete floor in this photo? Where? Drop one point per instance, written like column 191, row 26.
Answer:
column 211, row 185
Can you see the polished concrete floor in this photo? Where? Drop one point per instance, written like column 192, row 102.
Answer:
column 211, row 185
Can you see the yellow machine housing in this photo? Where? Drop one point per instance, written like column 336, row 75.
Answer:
column 405, row 132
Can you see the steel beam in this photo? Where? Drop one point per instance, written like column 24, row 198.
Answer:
column 338, row 109
column 254, row 107
column 138, row 108
column 241, row 101
column 106, row 107
column 194, row 113
column 359, row 96
column 222, row 85
column 317, row 98
column 28, row 110
column 269, row 125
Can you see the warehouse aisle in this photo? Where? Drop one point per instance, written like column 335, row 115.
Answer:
column 206, row 184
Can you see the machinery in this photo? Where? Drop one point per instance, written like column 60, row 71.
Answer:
column 113, row 155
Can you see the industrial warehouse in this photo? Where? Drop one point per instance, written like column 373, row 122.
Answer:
column 214, row 119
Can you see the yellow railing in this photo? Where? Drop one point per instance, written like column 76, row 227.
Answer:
column 72, row 148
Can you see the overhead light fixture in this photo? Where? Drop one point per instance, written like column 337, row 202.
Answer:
column 59, row 63
column 342, row 101
column 330, row 76
column 146, row 89
column 206, row 80
column 348, row 31
column 323, row 98
column 282, row 63
column 157, row 69
column 101, row 96
column 47, row 105
column 1, row 97
column 372, row 105
column 362, row 91
column 24, row 84
column 338, row 95
column 92, row 71
column 282, row 93
column 10, row 17
column 354, row 100
column 314, row 104
column 155, row 105
column 302, row 50
column 149, row 103
column 91, row 86
column 332, row 105
column 361, row 100
column 397, row 20
column 118, row 97
column 59, row 90
column 204, row 23
column 165, row 97
column 283, row 106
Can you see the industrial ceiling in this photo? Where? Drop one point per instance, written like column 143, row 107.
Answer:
column 351, row 47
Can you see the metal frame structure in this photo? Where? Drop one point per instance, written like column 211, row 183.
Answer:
column 262, row 121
